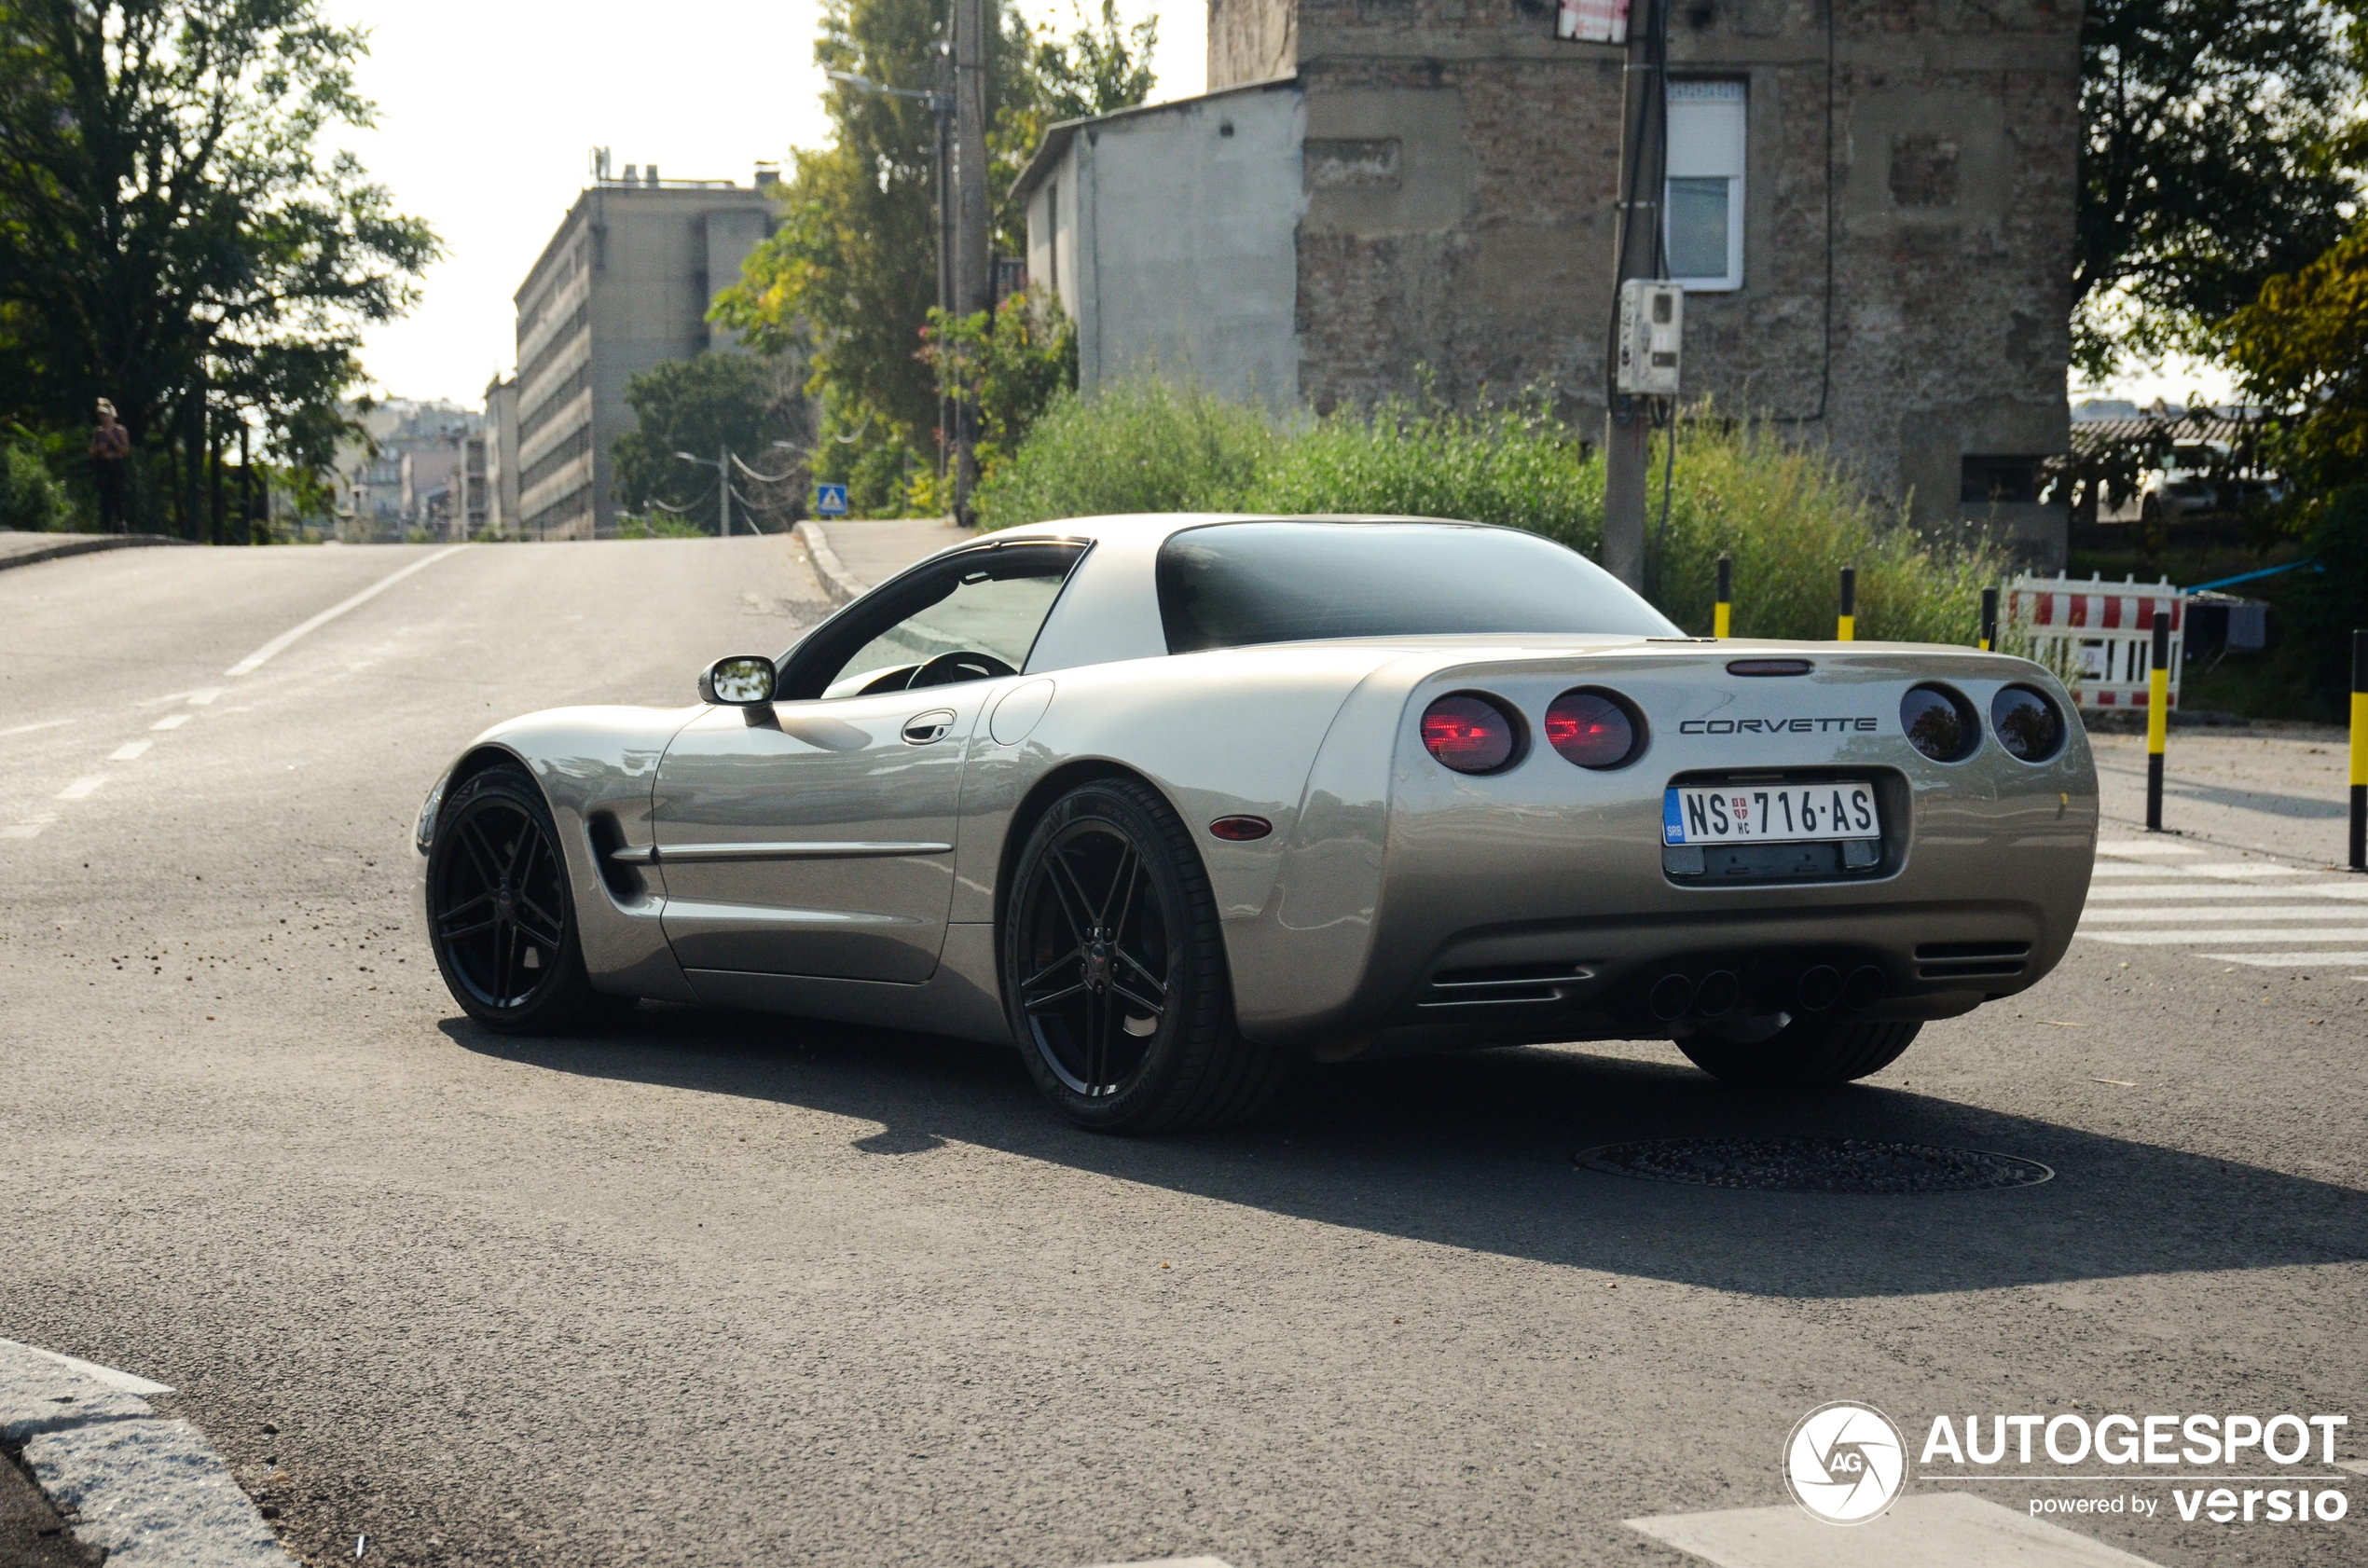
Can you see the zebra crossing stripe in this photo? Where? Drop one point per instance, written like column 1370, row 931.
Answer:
column 2193, row 939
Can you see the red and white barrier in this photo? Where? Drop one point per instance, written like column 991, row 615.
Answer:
column 2102, row 634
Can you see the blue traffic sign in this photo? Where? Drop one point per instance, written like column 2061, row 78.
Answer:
column 829, row 501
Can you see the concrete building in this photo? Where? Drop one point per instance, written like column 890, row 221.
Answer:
column 394, row 479
column 625, row 284
column 1871, row 206
column 501, row 517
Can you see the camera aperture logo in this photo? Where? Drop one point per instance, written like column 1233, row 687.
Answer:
column 1845, row 1462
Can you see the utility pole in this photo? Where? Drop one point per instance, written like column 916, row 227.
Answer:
column 723, row 492
column 972, row 280
column 1636, row 253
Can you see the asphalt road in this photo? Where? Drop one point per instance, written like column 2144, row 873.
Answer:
column 742, row 1291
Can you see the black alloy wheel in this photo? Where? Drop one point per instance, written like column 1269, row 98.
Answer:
column 1114, row 971
column 500, row 915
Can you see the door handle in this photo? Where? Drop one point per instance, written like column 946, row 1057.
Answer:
column 923, row 729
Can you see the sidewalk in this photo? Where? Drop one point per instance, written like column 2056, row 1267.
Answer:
column 2271, row 789
column 876, row 549
column 19, row 548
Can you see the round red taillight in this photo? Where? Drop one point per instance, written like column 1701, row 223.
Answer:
column 1469, row 734
column 1590, row 729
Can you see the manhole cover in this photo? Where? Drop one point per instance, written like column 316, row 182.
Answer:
column 1814, row 1165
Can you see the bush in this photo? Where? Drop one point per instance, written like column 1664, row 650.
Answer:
column 1792, row 517
column 1141, row 446
column 30, row 498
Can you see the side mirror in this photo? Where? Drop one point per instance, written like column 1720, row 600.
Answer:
column 742, row 680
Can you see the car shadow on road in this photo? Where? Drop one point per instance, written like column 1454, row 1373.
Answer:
column 1478, row 1152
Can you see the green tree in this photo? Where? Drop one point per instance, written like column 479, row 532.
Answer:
column 1010, row 366
column 719, row 400
column 851, row 275
column 174, row 235
column 2303, row 346
column 2212, row 134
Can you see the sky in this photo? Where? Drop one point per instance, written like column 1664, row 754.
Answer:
column 488, row 112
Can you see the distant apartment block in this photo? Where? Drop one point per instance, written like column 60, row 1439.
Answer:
column 503, row 518
column 624, row 285
column 396, row 478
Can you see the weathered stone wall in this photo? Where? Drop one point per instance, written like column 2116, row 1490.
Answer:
column 1461, row 169
column 1251, row 41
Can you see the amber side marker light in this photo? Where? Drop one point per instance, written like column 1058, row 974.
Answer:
column 1240, row 830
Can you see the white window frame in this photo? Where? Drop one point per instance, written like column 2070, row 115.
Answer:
column 1709, row 138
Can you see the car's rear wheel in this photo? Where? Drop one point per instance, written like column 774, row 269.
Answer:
column 1114, row 971
column 1805, row 1052
column 500, row 915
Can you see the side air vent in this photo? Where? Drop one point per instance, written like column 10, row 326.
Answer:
column 1506, row 986
column 1971, row 960
column 625, row 883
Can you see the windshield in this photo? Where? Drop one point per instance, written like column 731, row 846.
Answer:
column 1234, row 584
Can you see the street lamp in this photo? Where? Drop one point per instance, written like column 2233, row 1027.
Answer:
column 722, row 463
column 941, row 104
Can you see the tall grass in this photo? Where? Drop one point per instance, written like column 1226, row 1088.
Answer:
column 1791, row 517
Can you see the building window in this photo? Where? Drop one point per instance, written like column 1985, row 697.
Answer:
column 1987, row 480
column 1703, row 218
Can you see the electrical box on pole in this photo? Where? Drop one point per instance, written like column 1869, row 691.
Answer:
column 1652, row 332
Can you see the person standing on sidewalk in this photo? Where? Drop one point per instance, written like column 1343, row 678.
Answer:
column 110, row 462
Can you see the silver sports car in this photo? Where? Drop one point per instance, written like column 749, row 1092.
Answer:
column 1168, row 802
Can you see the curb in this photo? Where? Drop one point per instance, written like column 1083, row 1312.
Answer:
column 80, row 544
column 148, row 1490
column 840, row 584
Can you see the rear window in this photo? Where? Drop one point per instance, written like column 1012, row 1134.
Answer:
column 1235, row 584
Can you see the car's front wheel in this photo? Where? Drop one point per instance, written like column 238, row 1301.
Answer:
column 500, row 915
column 1114, row 971
column 1804, row 1052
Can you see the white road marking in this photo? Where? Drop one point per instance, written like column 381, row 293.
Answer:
column 2132, row 893
column 2216, row 868
column 170, row 722
column 130, row 750
column 2289, row 960
column 201, row 697
column 23, row 830
column 279, row 644
column 1931, row 1530
column 122, row 1383
column 2255, row 912
column 82, row 788
column 28, row 729
column 2178, row 939
column 2138, row 847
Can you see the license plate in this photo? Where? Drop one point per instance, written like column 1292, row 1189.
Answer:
column 1835, row 808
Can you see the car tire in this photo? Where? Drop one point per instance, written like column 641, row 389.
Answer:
column 502, row 914
column 1115, row 975
column 1805, row 1054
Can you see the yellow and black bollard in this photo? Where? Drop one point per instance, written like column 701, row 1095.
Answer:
column 1989, row 620
column 2158, row 721
column 1722, row 611
column 1846, row 628
column 2359, row 749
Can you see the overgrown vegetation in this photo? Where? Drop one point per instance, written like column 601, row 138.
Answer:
column 30, row 498
column 1791, row 517
column 716, row 402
